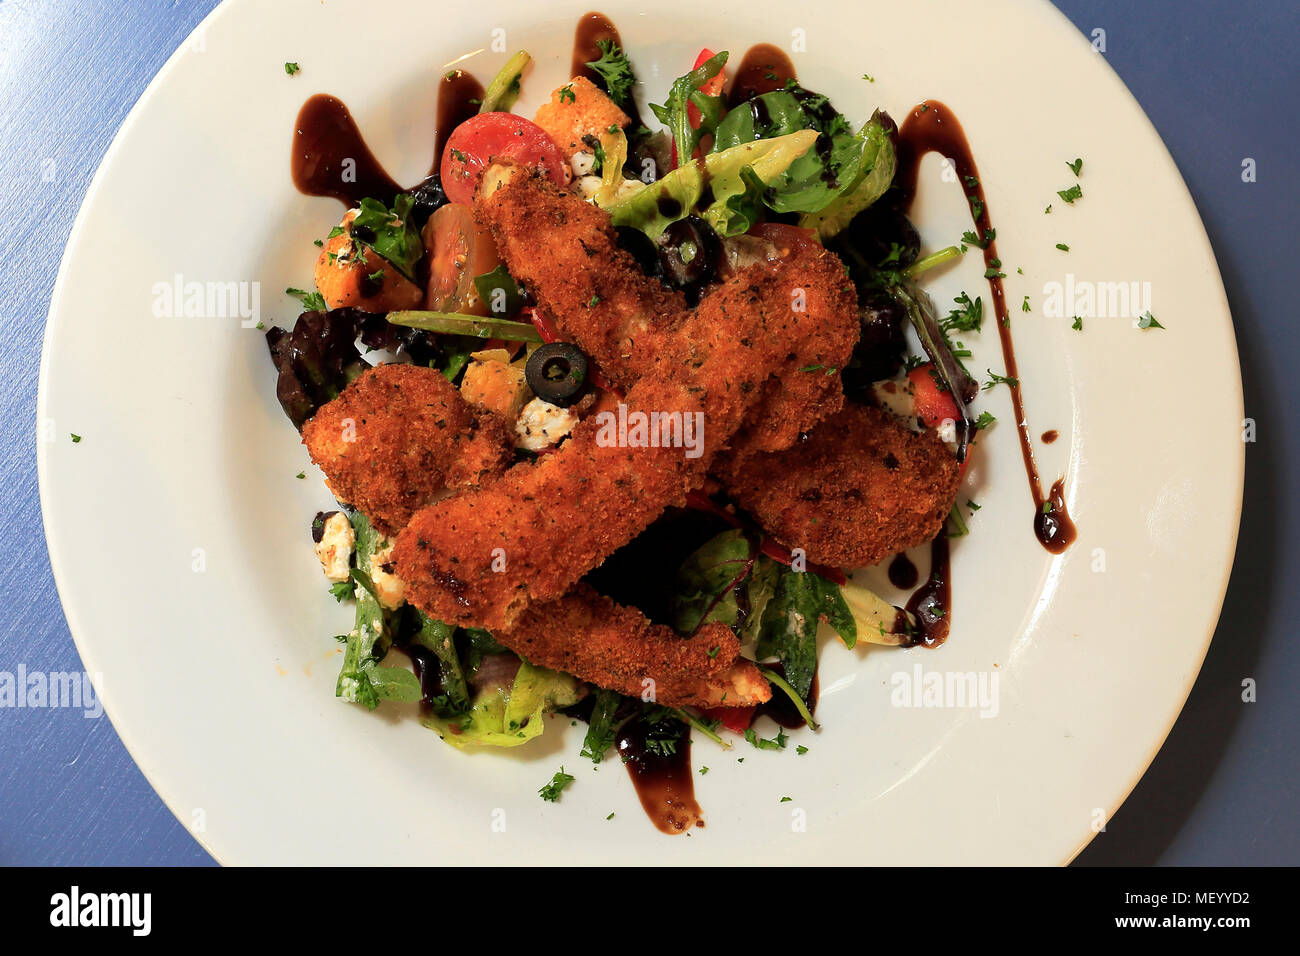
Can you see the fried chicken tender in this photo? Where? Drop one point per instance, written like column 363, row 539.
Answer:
column 594, row 290
column 616, row 647
column 399, row 437
column 479, row 559
column 556, row 520
column 862, row 486
column 599, row 297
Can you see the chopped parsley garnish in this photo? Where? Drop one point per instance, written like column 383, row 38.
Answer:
column 1071, row 194
column 972, row 505
column 976, row 207
column 812, row 368
column 567, row 94
column 1077, row 165
column 1077, row 324
column 1048, row 209
column 967, row 317
column 801, row 750
column 1047, row 507
column 292, row 68
column 76, row 439
column 301, row 474
column 704, row 770
column 342, row 590
column 1063, row 247
column 615, row 70
column 610, row 817
column 1148, row 321
column 311, row 301
column 786, row 799
column 317, row 243
column 1024, row 306
column 661, row 748
column 992, row 272
column 551, row 792
column 777, row 743
column 996, row 379
column 595, row 299
column 376, row 276
column 984, row 421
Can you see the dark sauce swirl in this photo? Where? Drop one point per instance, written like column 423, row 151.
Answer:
column 932, row 127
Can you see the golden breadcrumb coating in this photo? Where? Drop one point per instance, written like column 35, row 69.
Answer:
column 861, row 487
column 616, row 647
column 399, row 437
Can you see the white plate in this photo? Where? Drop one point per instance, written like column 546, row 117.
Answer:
column 220, row 680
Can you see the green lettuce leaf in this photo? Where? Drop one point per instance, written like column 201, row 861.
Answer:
column 507, row 716
column 817, row 177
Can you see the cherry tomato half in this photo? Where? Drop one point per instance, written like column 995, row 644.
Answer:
column 459, row 251
column 488, row 137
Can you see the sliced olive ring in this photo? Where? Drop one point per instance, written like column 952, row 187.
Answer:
column 557, row 373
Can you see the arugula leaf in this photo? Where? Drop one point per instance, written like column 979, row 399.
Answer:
column 370, row 637
column 437, row 637
column 391, row 233
column 705, row 589
column 788, row 630
column 687, row 90
column 498, row 287
column 601, row 726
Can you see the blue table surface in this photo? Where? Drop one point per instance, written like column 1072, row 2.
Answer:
column 1219, row 79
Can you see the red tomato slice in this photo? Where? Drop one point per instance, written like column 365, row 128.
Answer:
column 933, row 406
column 487, row 137
column 459, row 251
column 735, row 719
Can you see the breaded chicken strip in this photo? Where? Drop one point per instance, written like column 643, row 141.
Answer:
column 400, row 436
column 862, row 486
column 591, row 637
column 599, row 297
column 479, row 559
column 593, row 290
column 556, row 520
